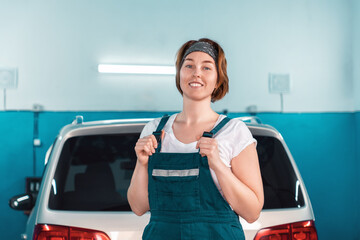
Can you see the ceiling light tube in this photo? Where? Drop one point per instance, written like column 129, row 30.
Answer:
column 136, row 69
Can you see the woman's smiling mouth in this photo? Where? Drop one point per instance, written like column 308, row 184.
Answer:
column 195, row 84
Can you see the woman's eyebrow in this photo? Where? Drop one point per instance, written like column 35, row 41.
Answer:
column 206, row 61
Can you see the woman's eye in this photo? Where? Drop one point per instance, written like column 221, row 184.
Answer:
column 207, row 68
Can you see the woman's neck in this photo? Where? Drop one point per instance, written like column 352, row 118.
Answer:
column 196, row 112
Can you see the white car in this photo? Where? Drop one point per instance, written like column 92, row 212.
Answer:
column 83, row 194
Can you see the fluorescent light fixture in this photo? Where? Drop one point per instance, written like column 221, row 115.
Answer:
column 136, row 69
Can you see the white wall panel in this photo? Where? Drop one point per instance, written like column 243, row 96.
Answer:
column 57, row 45
column 356, row 52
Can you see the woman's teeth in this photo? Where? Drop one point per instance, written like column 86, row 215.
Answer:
column 195, row 84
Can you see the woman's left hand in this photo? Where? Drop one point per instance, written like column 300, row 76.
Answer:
column 209, row 147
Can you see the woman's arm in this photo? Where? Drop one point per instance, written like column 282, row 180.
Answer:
column 138, row 190
column 241, row 184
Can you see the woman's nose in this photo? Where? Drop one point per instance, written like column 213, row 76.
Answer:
column 196, row 72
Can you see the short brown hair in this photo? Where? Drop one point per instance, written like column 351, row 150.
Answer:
column 222, row 81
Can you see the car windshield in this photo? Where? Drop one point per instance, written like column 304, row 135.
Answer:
column 94, row 173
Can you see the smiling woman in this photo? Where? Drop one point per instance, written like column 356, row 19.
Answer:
column 215, row 57
column 197, row 171
column 198, row 74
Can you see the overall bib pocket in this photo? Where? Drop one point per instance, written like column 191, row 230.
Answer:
column 176, row 190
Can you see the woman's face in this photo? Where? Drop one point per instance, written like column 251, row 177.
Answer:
column 198, row 76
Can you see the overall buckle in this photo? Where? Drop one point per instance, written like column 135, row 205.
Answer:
column 157, row 136
column 208, row 134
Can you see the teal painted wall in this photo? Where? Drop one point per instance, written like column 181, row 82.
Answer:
column 324, row 145
column 15, row 163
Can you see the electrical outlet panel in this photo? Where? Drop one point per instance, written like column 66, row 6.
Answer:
column 279, row 83
column 8, row 78
column 37, row 142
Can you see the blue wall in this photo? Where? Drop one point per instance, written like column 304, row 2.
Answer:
column 324, row 145
column 15, row 163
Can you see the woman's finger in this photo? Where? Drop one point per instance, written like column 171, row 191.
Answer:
column 148, row 141
column 147, row 150
column 201, row 141
column 205, row 144
column 150, row 145
column 143, row 143
column 153, row 141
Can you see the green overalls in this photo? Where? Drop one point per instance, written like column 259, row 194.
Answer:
column 184, row 200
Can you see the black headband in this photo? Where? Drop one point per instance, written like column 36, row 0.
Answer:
column 202, row 47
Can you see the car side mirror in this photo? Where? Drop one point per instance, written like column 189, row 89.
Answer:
column 23, row 202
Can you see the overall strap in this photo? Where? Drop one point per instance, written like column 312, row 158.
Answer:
column 157, row 133
column 216, row 128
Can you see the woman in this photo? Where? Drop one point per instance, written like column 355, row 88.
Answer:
column 199, row 170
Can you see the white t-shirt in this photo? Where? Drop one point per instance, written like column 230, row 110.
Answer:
column 231, row 138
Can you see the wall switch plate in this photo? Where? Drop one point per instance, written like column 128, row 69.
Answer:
column 8, row 78
column 33, row 184
column 279, row 83
column 37, row 142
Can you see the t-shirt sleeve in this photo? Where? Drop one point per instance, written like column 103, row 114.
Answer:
column 242, row 137
column 150, row 127
column 233, row 138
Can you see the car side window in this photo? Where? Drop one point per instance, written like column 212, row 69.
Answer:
column 281, row 186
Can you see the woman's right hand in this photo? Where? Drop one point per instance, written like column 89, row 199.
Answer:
column 145, row 147
column 137, row 194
